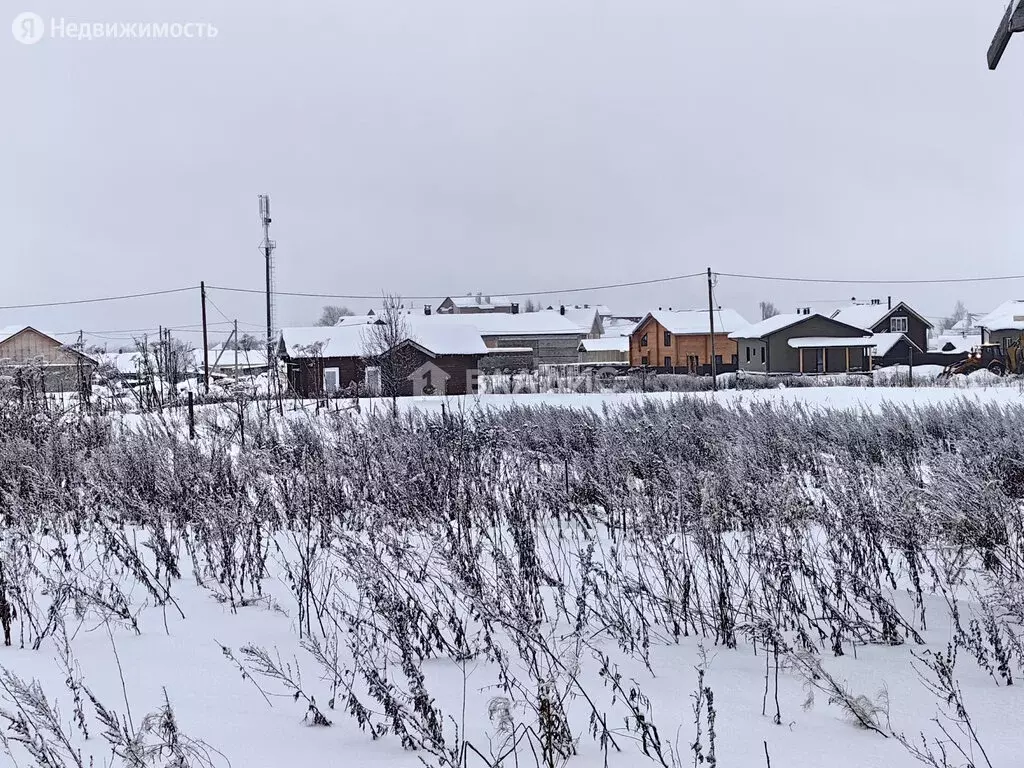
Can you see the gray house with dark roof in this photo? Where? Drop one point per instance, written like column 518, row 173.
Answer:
column 802, row 343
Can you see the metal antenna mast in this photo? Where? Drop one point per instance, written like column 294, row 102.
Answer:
column 268, row 247
column 1011, row 24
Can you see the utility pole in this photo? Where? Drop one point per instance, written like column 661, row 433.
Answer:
column 206, row 341
column 268, row 246
column 711, row 317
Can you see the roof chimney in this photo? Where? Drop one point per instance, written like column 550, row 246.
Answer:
column 515, row 307
column 426, row 309
column 890, row 302
column 561, row 310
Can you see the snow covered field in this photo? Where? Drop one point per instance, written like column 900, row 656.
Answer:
column 628, row 580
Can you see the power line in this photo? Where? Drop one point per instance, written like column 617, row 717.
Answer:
column 99, row 299
column 932, row 281
column 609, row 286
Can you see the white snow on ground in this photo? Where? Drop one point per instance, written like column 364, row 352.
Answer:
column 214, row 702
column 823, row 397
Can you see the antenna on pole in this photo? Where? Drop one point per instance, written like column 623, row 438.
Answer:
column 268, row 247
column 1011, row 23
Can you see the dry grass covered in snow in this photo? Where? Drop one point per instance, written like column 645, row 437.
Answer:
column 736, row 580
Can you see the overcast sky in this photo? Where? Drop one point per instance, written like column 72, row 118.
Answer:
column 432, row 147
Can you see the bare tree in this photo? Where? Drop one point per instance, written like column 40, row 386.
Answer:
column 959, row 313
column 247, row 342
column 331, row 314
column 383, row 347
column 768, row 309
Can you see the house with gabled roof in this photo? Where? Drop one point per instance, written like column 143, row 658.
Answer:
column 587, row 319
column 553, row 338
column 60, row 367
column 680, row 340
column 1003, row 324
column 803, row 342
column 441, row 358
column 878, row 317
column 477, row 303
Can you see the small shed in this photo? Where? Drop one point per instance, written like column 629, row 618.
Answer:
column 610, row 349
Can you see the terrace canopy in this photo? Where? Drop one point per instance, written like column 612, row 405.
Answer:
column 822, row 362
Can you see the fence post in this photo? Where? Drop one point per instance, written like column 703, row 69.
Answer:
column 191, row 416
column 910, row 360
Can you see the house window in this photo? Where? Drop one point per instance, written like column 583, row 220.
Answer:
column 668, row 339
column 643, row 341
column 748, row 354
column 735, row 359
column 718, row 360
column 762, row 355
column 897, row 325
column 643, row 361
column 332, row 380
column 668, row 361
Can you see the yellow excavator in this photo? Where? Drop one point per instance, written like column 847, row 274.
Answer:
column 992, row 357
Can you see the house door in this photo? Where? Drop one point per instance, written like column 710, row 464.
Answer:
column 693, row 363
column 332, row 380
column 819, row 360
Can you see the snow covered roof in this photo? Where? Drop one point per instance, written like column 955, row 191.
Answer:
column 457, row 338
column 246, row 357
column 695, row 321
column 1008, row 316
column 503, row 324
column 445, row 338
column 867, row 316
column 884, row 342
column 864, row 316
column 482, row 302
column 956, row 342
column 334, row 341
column 618, row 326
column 964, row 326
column 605, row 344
column 820, row 342
column 770, row 326
column 123, row 362
column 582, row 318
column 357, row 319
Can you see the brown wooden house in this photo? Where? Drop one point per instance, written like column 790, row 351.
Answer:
column 440, row 359
column 24, row 351
column 680, row 341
